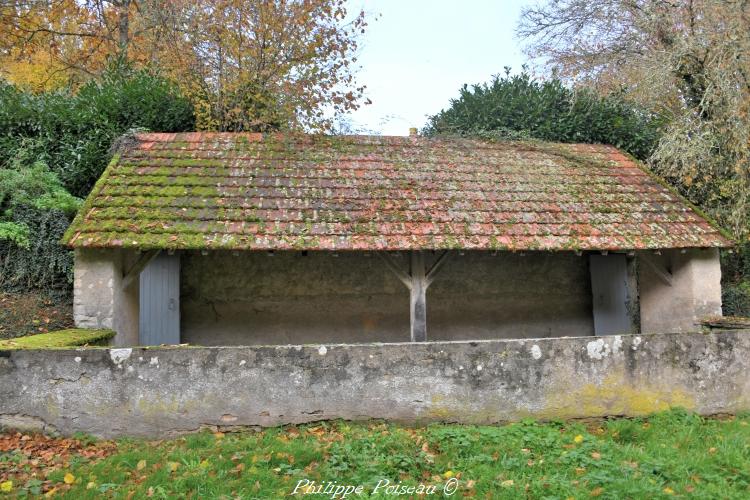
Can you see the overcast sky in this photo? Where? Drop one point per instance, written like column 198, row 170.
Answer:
column 418, row 53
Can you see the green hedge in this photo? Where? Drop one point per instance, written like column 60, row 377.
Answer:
column 62, row 338
column 53, row 148
column 519, row 107
column 72, row 132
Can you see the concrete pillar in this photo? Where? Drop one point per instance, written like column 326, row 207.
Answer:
column 99, row 300
column 678, row 289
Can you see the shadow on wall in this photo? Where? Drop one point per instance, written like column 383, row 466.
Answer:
column 310, row 297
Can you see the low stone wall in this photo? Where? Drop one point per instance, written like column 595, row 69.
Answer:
column 163, row 391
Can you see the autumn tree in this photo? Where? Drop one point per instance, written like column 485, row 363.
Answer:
column 690, row 60
column 261, row 65
column 47, row 43
column 247, row 65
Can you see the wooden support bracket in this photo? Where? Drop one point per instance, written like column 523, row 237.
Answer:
column 136, row 269
column 393, row 266
column 436, row 266
column 665, row 276
column 417, row 280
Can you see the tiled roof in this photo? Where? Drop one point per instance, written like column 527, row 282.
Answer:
column 252, row 191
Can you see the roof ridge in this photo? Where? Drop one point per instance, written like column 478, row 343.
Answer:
column 264, row 136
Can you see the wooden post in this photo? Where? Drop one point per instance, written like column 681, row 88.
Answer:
column 417, row 281
column 418, row 301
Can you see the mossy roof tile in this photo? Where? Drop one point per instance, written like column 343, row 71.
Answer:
column 308, row 192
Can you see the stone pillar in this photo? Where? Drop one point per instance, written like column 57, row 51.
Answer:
column 99, row 301
column 678, row 289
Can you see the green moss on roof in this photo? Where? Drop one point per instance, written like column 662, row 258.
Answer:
column 307, row 192
column 61, row 338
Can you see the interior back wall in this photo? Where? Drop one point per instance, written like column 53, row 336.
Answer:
column 291, row 298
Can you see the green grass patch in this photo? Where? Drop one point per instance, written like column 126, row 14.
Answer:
column 675, row 453
column 62, row 338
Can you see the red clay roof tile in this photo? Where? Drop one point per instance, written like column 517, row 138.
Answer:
column 254, row 191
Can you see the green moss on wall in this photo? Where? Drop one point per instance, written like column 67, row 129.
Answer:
column 63, row 338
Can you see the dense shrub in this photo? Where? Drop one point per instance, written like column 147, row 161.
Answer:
column 735, row 286
column 72, row 133
column 519, row 106
column 42, row 263
column 53, row 148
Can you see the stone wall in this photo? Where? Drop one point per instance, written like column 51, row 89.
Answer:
column 158, row 392
column 254, row 298
column 694, row 292
column 99, row 300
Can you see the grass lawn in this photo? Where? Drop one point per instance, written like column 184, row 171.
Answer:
column 670, row 454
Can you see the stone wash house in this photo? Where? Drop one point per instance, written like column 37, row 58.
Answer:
column 231, row 239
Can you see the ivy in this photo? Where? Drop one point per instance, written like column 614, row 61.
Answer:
column 53, row 148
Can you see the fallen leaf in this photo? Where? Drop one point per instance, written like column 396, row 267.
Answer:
column 596, row 455
column 90, row 485
column 597, row 491
column 69, row 478
column 173, row 466
column 507, row 483
column 668, row 491
column 140, row 465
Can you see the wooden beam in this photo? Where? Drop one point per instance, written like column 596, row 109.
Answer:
column 393, row 266
column 416, row 280
column 418, row 302
column 436, row 266
column 665, row 276
column 135, row 271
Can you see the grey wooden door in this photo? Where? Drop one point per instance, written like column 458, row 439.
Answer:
column 159, row 320
column 612, row 297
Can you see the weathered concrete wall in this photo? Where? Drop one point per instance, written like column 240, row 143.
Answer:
column 290, row 298
column 99, row 299
column 161, row 391
column 695, row 291
column 253, row 298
